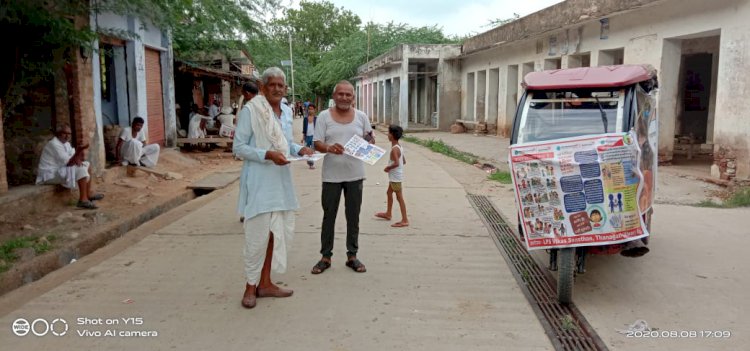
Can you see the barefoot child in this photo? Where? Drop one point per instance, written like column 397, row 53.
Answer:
column 395, row 172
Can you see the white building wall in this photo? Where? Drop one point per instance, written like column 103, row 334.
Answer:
column 146, row 35
column 644, row 35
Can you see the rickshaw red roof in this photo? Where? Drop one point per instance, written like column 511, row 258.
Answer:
column 589, row 77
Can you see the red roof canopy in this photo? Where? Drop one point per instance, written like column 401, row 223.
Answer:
column 589, row 77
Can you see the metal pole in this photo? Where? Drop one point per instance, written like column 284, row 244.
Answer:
column 291, row 58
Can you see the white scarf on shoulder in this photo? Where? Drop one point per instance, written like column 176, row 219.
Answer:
column 268, row 132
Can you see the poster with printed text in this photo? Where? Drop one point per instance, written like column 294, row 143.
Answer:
column 360, row 148
column 578, row 191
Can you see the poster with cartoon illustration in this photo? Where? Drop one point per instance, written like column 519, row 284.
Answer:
column 579, row 191
column 361, row 149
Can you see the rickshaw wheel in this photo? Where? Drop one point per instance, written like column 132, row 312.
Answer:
column 566, row 273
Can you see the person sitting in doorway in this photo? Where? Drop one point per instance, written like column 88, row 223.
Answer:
column 62, row 165
column 132, row 149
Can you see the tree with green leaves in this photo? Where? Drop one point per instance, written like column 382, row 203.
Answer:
column 342, row 61
column 314, row 29
column 53, row 29
column 329, row 44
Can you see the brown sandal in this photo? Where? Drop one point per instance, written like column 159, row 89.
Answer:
column 356, row 265
column 320, row 267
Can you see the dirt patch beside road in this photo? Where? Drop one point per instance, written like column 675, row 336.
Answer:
column 57, row 229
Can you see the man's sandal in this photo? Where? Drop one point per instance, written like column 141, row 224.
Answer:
column 86, row 205
column 96, row 197
column 320, row 267
column 356, row 265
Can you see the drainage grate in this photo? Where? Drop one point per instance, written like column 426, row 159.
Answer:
column 565, row 325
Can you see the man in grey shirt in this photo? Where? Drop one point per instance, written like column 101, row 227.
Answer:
column 341, row 172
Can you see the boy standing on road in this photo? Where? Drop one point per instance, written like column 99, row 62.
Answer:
column 395, row 170
column 308, row 130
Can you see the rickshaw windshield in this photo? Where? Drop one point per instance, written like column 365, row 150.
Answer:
column 563, row 114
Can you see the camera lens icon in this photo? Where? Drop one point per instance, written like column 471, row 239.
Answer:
column 40, row 327
column 21, row 327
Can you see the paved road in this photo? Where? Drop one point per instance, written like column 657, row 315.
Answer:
column 440, row 284
column 692, row 280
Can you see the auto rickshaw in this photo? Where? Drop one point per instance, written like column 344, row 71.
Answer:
column 570, row 103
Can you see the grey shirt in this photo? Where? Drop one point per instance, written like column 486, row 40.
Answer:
column 341, row 168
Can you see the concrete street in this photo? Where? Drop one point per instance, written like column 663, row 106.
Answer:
column 440, row 284
column 692, row 279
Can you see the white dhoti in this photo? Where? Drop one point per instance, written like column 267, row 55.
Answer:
column 257, row 229
column 135, row 152
column 67, row 176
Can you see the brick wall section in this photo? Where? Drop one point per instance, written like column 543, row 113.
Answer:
column 3, row 171
column 726, row 158
column 62, row 106
column 81, row 94
column 84, row 104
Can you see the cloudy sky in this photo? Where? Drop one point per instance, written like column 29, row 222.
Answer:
column 454, row 16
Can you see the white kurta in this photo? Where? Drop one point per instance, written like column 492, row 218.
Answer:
column 194, row 129
column 267, row 198
column 134, row 150
column 53, row 165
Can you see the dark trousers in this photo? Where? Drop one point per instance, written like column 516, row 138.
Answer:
column 330, row 199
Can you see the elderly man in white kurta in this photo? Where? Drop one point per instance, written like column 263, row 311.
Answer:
column 61, row 164
column 132, row 149
column 264, row 139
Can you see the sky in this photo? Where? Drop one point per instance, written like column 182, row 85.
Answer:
column 456, row 17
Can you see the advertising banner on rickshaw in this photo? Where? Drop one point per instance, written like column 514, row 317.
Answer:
column 580, row 191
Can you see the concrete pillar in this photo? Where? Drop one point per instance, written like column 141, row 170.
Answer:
column 449, row 92
column 168, row 99
column 413, row 100
column 712, row 99
column 731, row 126
column 136, row 63
column 669, row 74
column 387, row 101
column 481, row 99
column 91, row 109
column 3, row 167
column 423, row 111
column 431, row 99
column 383, row 114
column 370, row 100
column 226, row 86
column 403, row 96
column 375, row 99
column 394, row 98
column 511, row 100
column 471, row 96
column 121, row 90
